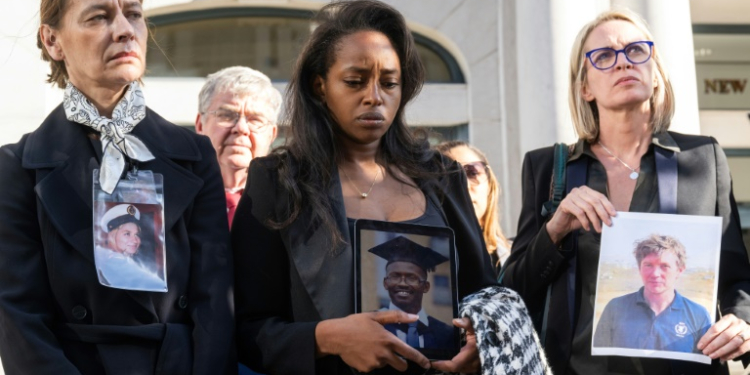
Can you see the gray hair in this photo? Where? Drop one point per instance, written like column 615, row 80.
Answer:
column 240, row 80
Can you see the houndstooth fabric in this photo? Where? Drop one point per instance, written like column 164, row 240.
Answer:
column 507, row 341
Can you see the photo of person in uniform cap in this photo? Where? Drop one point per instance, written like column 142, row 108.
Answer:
column 114, row 258
column 406, row 283
column 656, row 317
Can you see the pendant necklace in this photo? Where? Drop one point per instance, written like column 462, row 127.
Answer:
column 361, row 194
column 633, row 171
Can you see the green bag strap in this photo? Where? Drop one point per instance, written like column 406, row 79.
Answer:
column 557, row 190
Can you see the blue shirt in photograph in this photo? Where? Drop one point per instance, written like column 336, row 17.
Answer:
column 629, row 322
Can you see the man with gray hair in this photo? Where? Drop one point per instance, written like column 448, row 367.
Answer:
column 238, row 110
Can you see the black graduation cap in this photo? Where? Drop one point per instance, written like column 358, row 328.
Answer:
column 402, row 249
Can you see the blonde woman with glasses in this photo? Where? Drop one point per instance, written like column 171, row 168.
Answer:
column 485, row 196
column 622, row 103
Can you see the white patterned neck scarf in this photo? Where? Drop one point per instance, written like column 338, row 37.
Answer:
column 116, row 141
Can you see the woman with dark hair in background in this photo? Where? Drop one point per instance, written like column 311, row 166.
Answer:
column 485, row 196
column 351, row 156
column 57, row 317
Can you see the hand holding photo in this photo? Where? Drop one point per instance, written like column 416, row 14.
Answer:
column 657, row 282
column 410, row 268
column 406, row 283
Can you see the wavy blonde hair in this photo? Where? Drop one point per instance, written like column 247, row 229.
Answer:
column 490, row 220
column 585, row 114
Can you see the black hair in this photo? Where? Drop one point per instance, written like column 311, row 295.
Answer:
column 313, row 144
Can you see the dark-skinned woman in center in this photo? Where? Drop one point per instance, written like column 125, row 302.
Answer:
column 351, row 156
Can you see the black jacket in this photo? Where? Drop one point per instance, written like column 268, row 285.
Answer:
column 56, row 317
column 287, row 280
column 704, row 188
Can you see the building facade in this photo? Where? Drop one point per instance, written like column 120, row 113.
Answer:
column 497, row 69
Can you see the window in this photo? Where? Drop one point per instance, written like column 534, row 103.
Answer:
column 201, row 47
column 197, row 43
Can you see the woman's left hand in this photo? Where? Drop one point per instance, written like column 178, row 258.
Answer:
column 467, row 360
column 727, row 339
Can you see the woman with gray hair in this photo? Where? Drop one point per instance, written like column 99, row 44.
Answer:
column 58, row 316
column 622, row 103
column 238, row 110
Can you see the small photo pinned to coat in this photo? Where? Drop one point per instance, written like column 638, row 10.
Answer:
column 129, row 246
column 656, row 286
column 410, row 268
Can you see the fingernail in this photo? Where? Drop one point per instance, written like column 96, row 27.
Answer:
column 412, row 316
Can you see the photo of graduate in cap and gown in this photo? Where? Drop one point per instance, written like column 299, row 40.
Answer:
column 406, row 283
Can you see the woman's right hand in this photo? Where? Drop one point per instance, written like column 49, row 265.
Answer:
column 362, row 342
column 583, row 207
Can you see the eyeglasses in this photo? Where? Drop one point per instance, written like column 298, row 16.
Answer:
column 636, row 53
column 227, row 119
column 394, row 279
column 476, row 172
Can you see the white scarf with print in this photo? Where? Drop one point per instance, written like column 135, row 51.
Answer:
column 116, row 142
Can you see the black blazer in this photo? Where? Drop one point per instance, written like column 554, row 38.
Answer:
column 703, row 188
column 56, row 317
column 289, row 280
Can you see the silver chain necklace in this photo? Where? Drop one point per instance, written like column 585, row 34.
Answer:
column 633, row 171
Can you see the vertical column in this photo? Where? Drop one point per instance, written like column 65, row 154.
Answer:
column 536, row 39
column 567, row 20
column 535, row 74
column 671, row 25
column 508, row 172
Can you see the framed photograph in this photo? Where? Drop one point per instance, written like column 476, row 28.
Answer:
column 657, row 285
column 410, row 268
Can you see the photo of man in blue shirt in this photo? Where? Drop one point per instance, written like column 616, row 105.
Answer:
column 656, row 317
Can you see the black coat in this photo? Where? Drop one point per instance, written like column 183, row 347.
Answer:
column 56, row 318
column 703, row 188
column 287, row 280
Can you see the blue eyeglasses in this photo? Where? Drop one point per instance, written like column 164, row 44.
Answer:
column 636, row 53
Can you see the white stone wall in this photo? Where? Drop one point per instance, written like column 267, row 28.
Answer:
column 24, row 100
column 513, row 53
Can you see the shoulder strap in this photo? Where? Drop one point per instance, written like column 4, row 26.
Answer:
column 576, row 175
column 557, row 188
column 666, row 175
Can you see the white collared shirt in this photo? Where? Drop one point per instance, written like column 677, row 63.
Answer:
column 422, row 318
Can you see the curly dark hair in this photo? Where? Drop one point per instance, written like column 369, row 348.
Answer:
column 308, row 162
